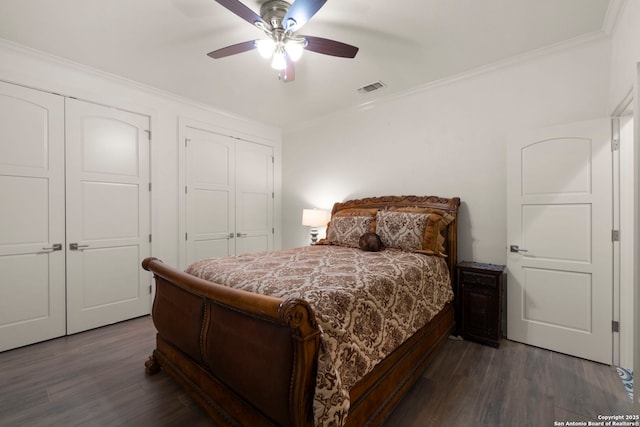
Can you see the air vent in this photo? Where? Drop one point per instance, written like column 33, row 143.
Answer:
column 373, row 86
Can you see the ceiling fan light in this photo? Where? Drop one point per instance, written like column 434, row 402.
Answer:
column 279, row 60
column 294, row 50
column 265, row 47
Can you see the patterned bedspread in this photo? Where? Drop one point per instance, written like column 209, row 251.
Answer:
column 366, row 303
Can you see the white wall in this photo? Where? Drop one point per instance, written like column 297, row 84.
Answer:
column 447, row 139
column 625, row 52
column 40, row 71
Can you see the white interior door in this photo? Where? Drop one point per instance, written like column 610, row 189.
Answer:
column 210, row 199
column 254, row 197
column 32, row 283
column 108, row 225
column 559, row 214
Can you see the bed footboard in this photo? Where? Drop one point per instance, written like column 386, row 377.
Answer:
column 248, row 359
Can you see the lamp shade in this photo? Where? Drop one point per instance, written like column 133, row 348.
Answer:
column 314, row 217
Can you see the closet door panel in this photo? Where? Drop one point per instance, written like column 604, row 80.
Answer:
column 254, row 197
column 108, row 222
column 32, row 227
column 210, row 201
column 25, row 210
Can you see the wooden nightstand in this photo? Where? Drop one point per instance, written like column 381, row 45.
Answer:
column 479, row 303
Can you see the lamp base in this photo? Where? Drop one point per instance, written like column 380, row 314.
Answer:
column 314, row 235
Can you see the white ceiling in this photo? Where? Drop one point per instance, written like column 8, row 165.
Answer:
column 405, row 44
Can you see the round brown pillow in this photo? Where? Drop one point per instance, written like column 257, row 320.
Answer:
column 370, row 242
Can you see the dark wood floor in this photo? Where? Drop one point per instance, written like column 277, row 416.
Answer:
column 97, row 378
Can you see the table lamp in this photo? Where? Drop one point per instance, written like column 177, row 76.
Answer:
column 314, row 218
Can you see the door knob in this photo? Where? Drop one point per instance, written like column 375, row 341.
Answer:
column 77, row 247
column 516, row 249
column 55, row 247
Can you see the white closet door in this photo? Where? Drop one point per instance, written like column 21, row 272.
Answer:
column 254, row 197
column 210, row 200
column 107, row 215
column 32, row 306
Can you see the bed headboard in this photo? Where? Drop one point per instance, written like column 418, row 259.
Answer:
column 449, row 205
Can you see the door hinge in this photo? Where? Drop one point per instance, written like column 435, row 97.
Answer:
column 273, row 159
column 615, row 326
column 148, row 133
column 273, row 230
column 273, row 195
column 149, row 187
column 186, row 141
column 185, row 189
column 615, row 144
column 149, row 237
column 615, row 235
column 186, row 236
column 150, row 289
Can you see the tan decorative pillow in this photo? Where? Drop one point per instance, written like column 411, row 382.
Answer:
column 401, row 230
column 359, row 212
column 446, row 216
column 346, row 230
column 444, row 219
column 433, row 241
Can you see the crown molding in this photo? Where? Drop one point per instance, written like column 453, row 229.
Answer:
column 509, row 62
column 612, row 17
column 36, row 54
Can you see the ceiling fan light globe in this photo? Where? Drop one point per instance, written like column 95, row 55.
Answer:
column 279, row 60
column 294, row 50
column 266, row 47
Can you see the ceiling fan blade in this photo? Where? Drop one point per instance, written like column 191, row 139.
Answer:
column 330, row 47
column 243, row 12
column 233, row 49
column 288, row 74
column 300, row 12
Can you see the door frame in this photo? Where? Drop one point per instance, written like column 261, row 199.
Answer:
column 636, row 215
column 623, row 208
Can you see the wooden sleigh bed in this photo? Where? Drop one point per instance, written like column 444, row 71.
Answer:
column 252, row 360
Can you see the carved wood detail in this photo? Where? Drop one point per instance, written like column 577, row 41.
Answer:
column 151, row 366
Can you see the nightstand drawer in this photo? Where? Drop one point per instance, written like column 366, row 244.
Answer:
column 475, row 278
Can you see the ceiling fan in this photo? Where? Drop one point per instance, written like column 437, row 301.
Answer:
column 279, row 20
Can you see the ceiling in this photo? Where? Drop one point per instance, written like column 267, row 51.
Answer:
column 163, row 43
